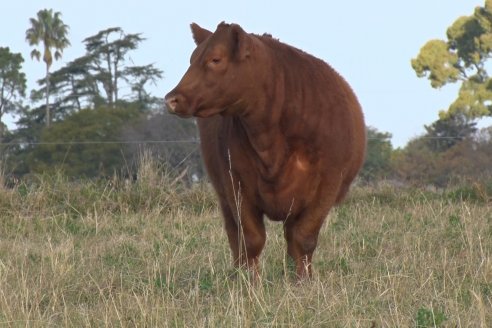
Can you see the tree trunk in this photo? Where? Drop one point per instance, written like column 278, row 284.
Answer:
column 75, row 93
column 2, row 148
column 115, row 82
column 2, row 101
column 1, row 131
column 48, row 116
column 110, row 87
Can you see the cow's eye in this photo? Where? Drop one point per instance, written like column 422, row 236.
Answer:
column 215, row 60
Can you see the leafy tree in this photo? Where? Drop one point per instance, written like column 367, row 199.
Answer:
column 416, row 164
column 378, row 156
column 466, row 160
column 107, row 52
column 80, row 86
column 22, row 141
column 12, row 83
column 86, row 143
column 446, row 132
column 104, row 67
column 73, row 87
column 462, row 58
column 138, row 77
column 49, row 30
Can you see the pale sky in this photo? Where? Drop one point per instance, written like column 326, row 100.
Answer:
column 370, row 43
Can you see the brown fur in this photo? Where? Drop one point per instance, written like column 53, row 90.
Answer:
column 282, row 135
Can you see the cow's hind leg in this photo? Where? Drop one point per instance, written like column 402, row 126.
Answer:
column 301, row 234
column 246, row 234
column 301, row 243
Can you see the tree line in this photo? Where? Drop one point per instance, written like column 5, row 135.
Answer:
column 79, row 122
column 451, row 151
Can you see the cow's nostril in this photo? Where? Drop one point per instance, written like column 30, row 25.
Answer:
column 171, row 103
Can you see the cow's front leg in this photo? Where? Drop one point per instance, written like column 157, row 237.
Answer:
column 246, row 233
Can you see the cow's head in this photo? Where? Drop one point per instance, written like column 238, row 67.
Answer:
column 219, row 75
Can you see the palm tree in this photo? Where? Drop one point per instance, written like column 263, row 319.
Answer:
column 49, row 30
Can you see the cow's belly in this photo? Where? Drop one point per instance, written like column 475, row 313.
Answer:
column 293, row 190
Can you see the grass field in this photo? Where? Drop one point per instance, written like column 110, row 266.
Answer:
column 153, row 254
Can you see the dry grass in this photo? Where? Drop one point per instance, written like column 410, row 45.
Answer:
column 146, row 255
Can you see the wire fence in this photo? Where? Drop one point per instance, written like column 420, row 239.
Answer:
column 130, row 142
column 178, row 154
column 89, row 142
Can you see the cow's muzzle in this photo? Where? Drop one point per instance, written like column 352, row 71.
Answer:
column 176, row 104
column 171, row 103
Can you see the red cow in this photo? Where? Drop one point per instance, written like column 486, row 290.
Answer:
column 282, row 135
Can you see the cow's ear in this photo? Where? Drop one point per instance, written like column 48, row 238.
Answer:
column 199, row 34
column 241, row 42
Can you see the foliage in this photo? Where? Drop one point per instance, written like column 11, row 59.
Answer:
column 446, row 132
column 138, row 77
column 49, row 30
column 104, row 67
column 73, row 86
column 76, row 88
column 124, row 133
column 12, row 89
column 429, row 161
column 463, row 58
column 416, row 164
column 450, row 150
column 21, row 142
column 378, row 155
column 12, row 81
column 106, row 52
column 170, row 140
column 87, row 143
